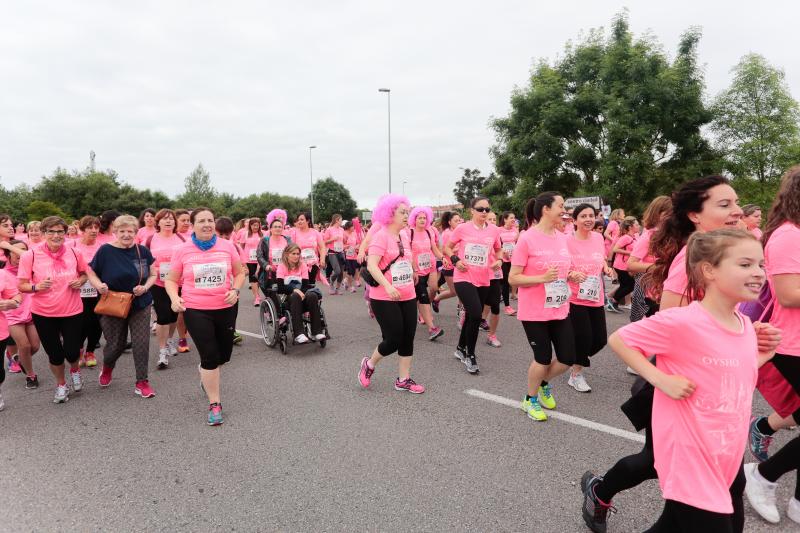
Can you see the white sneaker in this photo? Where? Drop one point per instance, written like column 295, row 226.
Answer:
column 320, row 337
column 163, row 358
column 301, row 339
column 77, row 382
column 631, row 371
column 578, row 382
column 625, row 306
column 172, row 345
column 62, row 394
column 761, row 494
column 793, row 511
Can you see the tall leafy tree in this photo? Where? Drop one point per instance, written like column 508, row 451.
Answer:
column 331, row 197
column 198, row 190
column 613, row 116
column 757, row 122
column 470, row 185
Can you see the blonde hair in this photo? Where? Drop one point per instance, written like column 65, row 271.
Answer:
column 616, row 214
column 285, row 257
column 33, row 224
column 126, row 220
column 709, row 247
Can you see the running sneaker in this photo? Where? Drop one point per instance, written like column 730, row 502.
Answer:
column 172, row 344
column 761, row 493
column 301, row 339
column 237, row 338
column 627, row 307
column 256, row 301
column 492, row 341
column 62, row 394
column 408, row 385
column 546, row 396
column 214, row 414
column 578, row 382
column 792, row 511
column 595, row 512
column 163, row 358
column 32, row 382
column 105, row 376
column 332, row 291
column 611, row 307
column 631, row 371
column 144, row 389
column 77, row 382
column 320, row 337
column 472, row 364
column 759, row 443
column 13, row 366
column 352, row 289
column 365, row 373
column 510, row 311
column 91, row 360
column 460, row 354
column 183, row 346
column 435, row 305
column 534, row 410
column 484, row 325
column 435, row 333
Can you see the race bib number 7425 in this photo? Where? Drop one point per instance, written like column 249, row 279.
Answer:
column 210, row 275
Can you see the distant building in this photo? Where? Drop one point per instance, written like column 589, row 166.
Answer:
column 439, row 209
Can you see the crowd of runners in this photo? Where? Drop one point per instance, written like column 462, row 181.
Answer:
column 712, row 291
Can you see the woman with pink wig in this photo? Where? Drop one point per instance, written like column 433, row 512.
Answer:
column 393, row 300
column 424, row 253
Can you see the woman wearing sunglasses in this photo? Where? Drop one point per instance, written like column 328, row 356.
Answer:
column 473, row 241
column 394, row 300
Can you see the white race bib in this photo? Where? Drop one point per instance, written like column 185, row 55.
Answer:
column 508, row 247
column 210, row 275
column 288, row 280
column 163, row 270
column 277, row 255
column 556, row 294
column 308, row 255
column 338, row 246
column 476, row 255
column 424, row 261
column 498, row 274
column 253, row 255
column 589, row 290
column 351, row 252
column 402, row 274
column 87, row 291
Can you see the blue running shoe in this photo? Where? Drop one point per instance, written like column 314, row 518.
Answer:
column 759, row 443
column 214, row 414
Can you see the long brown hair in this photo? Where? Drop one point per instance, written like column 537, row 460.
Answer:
column 285, row 257
column 659, row 208
column 708, row 247
column 786, row 207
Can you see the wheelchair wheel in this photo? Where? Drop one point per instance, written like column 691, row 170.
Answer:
column 269, row 321
column 324, row 341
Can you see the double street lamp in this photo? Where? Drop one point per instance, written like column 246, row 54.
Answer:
column 311, row 173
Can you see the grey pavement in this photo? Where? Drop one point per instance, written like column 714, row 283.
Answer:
column 304, row 448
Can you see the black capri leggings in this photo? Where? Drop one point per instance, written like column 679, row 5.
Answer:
column 163, row 306
column 212, row 332
column 421, row 288
column 251, row 272
column 493, row 300
column 589, row 327
column 92, row 331
column 473, row 299
column 60, row 336
column 543, row 336
column 506, row 285
column 626, row 284
column 398, row 322
column 788, row 457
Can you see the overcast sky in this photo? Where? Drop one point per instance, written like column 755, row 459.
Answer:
column 156, row 87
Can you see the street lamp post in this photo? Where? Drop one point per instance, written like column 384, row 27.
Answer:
column 311, row 174
column 404, row 187
column 389, row 114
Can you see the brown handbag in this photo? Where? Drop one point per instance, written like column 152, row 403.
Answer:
column 116, row 303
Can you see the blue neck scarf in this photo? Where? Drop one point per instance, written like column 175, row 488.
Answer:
column 204, row 245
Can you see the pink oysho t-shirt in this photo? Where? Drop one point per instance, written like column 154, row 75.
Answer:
column 472, row 245
column 336, row 233
column 422, row 250
column 587, row 256
column 8, row 289
column 62, row 267
column 309, row 242
column 205, row 276
column 401, row 273
column 677, row 280
column 626, row 243
column 251, row 246
column 699, row 442
column 641, row 248
column 537, row 253
column 782, row 256
column 351, row 242
column 508, row 240
column 144, row 233
column 162, row 249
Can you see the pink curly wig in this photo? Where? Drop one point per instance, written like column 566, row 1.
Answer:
column 386, row 206
column 276, row 213
column 421, row 210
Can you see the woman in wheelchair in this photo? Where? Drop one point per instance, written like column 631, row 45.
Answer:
column 292, row 280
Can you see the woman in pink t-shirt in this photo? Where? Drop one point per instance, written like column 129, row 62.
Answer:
column 424, row 253
column 210, row 274
column 542, row 268
column 334, row 242
column 393, row 300
column 704, row 384
column 35, row 235
column 491, row 309
column 312, row 247
column 269, row 256
column 751, row 217
column 351, row 241
column 106, row 234
column 509, row 233
column 20, row 324
column 641, row 259
column 88, row 245
column 147, row 225
column 628, row 232
column 183, row 224
column 450, row 220
column 54, row 273
column 10, row 299
column 469, row 247
column 72, row 232
column 19, row 232
column 251, row 241
column 6, row 236
column 612, row 230
column 162, row 245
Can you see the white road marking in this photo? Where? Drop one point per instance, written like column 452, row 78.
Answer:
column 561, row 416
column 254, row 335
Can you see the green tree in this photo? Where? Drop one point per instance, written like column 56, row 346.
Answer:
column 612, row 116
column 15, row 202
column 39, row 209
column 470, row 185
column 756, row 121
column 198, row 190
column 331, row 197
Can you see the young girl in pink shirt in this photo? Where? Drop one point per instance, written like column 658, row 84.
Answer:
column 509, row 233
column 449, row 222
column 704, row 384
column 425, row 251
column 251, row 241
column 629, row 230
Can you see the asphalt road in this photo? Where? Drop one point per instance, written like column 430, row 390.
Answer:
column 304, row 448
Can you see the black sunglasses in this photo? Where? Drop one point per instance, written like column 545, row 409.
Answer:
column 482, row 209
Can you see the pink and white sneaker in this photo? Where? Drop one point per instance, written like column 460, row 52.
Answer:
column 365, row 373
column 510, row 311
column 408, row 385
column 14, row 366
column 144, row 389
column 492, row 341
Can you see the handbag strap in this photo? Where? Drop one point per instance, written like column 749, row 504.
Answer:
column 139, row 263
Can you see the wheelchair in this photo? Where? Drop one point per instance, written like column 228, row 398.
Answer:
column 276, row 323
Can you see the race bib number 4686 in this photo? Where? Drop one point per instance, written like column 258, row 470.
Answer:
column 210, row 275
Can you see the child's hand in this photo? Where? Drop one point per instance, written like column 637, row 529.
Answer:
column 769, row 337
column 676, row 387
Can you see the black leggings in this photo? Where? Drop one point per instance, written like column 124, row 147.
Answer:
column 398, row 322
column 91, row 324
column 296, row 308
column 334, row 266
column 212, row 332
column 473, row 299
column 506, row 285
column 60, row 336
column 626, row 284
column 589, row 328
column 493, row 300
column 629, row 471
column 3, row 344
column 543, row 336
column 163, row 306
column 421, row 289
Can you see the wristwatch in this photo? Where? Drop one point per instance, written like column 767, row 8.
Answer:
column 238, row 291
